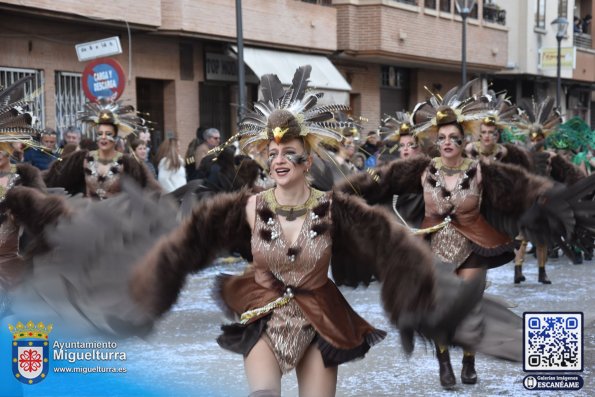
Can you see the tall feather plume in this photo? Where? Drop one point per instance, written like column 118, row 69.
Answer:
column 15, row 92
column 271, row 88
column 300, row 82
column 123, row 116
column 545, row 110
column 538, row 117
column 285, row 114
column 468, row 108
column 15, row 118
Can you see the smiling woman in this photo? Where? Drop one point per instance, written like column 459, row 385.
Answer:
column 287, row 313
column 96, row 173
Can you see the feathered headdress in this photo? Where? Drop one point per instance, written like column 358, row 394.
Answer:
column 501, row 112
column 15, row 119
column 455, row 107
column 538, row 119
column 353, row 128
column 394, row 127
column 573, row 135
column 107, row 111
column 283, row 115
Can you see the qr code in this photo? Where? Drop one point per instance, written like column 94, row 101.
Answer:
column 553, row 341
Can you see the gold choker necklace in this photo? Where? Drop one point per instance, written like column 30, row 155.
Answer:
column 464, row 166
column 291, row 212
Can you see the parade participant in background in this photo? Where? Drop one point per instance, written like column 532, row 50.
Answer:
column 538, row 120
column 97, row 173
column 573, row 140
column 473, row 210
column 291, row 314
column 501, row 114
column 399, row 129
column 15, row 127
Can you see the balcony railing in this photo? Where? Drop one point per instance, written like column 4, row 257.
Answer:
column 319, row 2
column 494, row 15
column 410, row 2
column 582, row 40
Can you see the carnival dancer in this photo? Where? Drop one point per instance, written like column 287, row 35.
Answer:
column 500, row 115
column 400, row 129
column 290, row 315
column 538, row 120
column 15, row 126
column 96, row 173
column 472, row 208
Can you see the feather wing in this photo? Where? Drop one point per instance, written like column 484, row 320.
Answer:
column 271, row 87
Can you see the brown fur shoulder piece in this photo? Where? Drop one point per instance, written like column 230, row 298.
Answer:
column 30, row 176
column 216, row 224
column 510, row 189
column 33, row 209
column 247, row 172
column 139, row 172
column 564, row 171
column 517, row 156
column 378, row 185
column 368, row 243
column 68, row 173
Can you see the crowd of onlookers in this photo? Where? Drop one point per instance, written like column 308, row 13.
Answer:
column 172, row 170
column 582, row 25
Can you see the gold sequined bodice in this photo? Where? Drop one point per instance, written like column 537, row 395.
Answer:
column 464, row 200
column 102, row 180
column 288, row 332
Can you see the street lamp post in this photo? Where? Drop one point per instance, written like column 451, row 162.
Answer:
column 464, row 8
column 561, row 25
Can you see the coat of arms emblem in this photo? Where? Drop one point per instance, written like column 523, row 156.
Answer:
column 30, row 351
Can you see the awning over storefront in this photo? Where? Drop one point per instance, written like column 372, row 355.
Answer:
column 324, row 77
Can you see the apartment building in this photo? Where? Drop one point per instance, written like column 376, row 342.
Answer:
column 531, row 70
column 180, row 57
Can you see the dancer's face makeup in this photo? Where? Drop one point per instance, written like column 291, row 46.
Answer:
column 450, row 142
column 408, row 146
column 288, row 161
column 106, row 136
column 488, row 135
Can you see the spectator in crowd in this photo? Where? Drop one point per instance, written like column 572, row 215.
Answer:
column 578, row 28
column 42, row 158
column 171, row 171
column 586, row 23
column 139, row 150
column 72, row 136
column 212, row 138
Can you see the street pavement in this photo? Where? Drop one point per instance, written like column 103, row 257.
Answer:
column 186, row 360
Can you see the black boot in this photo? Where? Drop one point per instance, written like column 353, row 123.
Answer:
column 542, row 278
column 518, row 274
column 468, row 374
column 447, row 376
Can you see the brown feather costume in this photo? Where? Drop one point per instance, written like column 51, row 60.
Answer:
column 367, row 245
column 70, row 173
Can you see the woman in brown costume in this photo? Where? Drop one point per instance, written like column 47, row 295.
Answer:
column 289, row 314
column 96, row 173
column 15, row 126
column 472, row 209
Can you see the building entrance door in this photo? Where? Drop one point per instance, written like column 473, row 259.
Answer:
column 150, row 99
column 215, row 107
